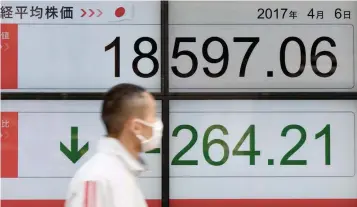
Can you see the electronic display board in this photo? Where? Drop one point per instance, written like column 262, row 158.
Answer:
column 77, row 46
column 222, row 153
column 215, row 47
column 249, row 46
column 252, row 149
column 43, row 143
column 237, row 152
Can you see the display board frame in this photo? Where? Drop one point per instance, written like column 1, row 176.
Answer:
column 165, row 96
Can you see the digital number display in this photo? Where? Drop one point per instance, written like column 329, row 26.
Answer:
column 270, row 51
column 242, row 146
column 288, row 59
column 116, row 47
column 217, row 142
column 240, row 139
column 245, row 47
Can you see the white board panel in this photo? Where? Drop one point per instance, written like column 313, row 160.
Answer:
column 242, row 176
column 42, row 126
column 275, row 154
column 89, row 48
column 242, row 46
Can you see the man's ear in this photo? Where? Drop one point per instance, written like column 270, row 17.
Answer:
column 134, row 126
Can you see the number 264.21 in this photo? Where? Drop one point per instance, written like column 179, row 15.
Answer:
column 252, row 152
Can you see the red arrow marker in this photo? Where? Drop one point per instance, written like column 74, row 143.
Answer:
column 92, row 12
column 100, row 13
column 84, row 12
column 6, row 47
column 4, row 135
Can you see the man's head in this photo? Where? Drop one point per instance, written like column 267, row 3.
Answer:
column 129, row 114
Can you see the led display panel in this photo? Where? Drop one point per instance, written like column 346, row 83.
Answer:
column 79, row 46
column 43, row 143
column 263, row 153
column 249, row 46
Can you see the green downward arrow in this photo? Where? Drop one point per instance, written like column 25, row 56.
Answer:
column 74, row 154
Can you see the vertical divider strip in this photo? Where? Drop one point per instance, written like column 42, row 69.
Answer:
column 165, row 147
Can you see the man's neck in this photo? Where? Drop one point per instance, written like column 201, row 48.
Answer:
column 130, row 147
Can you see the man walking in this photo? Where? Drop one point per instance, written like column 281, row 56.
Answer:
column 108, row 179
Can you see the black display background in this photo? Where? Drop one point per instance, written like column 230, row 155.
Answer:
column 165, row 96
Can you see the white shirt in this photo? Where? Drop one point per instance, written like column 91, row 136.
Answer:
column 108, row 179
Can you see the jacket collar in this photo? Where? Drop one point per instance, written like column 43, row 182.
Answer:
column 113, row 146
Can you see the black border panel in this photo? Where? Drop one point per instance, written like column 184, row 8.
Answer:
column 164, row 65
column 264, row 96
column 190, row 96
column 165, row 155
column 58, row 96
column 165, row 146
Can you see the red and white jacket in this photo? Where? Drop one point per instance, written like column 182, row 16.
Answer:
column 108, row 179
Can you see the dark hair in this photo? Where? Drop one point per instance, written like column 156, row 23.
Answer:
column 120, row 103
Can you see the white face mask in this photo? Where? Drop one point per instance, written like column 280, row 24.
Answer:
column 154, row 141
